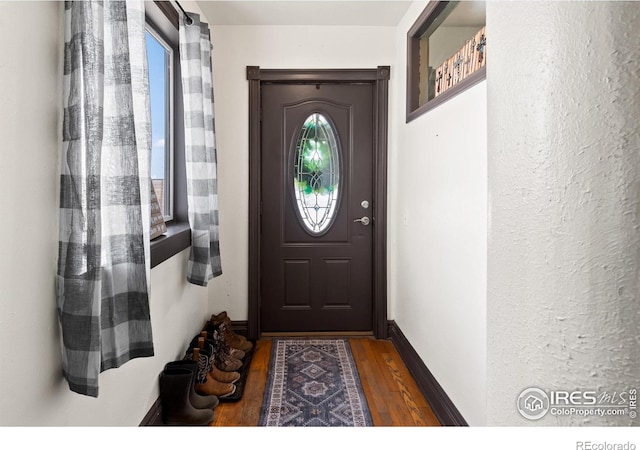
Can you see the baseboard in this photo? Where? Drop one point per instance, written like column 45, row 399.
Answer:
column 441, row 405
column 240, row 327
column 154, row 416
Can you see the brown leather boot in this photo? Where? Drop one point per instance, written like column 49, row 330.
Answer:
column 222, row 346
column 217, row 319
column 228, row 351
column 220, row 357
column 234, row 353
column 214, row 387
column 227, row 364
column 233, row 339
column 207, row 385
column 222, row 376
column 217, row 374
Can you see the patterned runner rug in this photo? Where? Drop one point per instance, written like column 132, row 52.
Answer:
column 313, row 383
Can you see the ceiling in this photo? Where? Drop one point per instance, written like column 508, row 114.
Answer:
column 303, row 12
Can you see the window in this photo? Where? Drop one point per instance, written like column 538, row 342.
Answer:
column 445, row 53
column 167, row 160
column 316, row 174
column 160, row 61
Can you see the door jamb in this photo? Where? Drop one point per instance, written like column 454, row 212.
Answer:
column 379, row 79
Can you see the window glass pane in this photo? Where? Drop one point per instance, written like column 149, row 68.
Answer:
column 159, row 59
column 452, row 48
column 316, row 179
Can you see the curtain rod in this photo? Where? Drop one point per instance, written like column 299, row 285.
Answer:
column 183, row 12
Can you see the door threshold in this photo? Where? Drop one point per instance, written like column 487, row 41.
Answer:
column 303, row 334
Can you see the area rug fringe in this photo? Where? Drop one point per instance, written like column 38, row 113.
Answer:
column 313, row 383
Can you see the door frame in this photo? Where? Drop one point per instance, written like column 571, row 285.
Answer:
column 379, row 79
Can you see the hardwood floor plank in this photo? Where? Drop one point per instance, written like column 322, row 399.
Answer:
column 246, row 411
column 378, row 349
column 392, row 394
column 416, row 402
column 388, row 387
column 385, row 393
column 256, row 383
column 377, row 402
column 413, row 409
column 430, row 417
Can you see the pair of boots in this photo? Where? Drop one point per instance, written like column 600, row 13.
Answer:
column 222, row 357
column 222, row 323
column 211, row 379
column 181, row 403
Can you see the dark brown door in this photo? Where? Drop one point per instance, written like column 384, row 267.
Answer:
column 317, row 203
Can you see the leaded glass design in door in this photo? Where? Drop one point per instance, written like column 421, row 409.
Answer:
column 316, row 174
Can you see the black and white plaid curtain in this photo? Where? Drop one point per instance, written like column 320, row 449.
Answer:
column 200, row 150
column 103, row 261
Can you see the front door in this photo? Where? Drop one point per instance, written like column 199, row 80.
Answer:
column 317, row 180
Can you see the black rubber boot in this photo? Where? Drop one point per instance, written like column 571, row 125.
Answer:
column 197, row 401
column 175, row 385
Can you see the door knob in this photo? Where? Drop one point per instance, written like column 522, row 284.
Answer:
column 364, row 221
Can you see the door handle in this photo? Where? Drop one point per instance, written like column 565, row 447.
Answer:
column 364, row 221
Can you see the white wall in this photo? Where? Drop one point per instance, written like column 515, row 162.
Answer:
column 438, row 233
column 564, row 171
column 32, row 389
column 270, row 47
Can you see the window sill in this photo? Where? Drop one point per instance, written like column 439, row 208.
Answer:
column 470, row 81
column 176, row 239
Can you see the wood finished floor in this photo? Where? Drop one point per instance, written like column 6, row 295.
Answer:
column 393, row 396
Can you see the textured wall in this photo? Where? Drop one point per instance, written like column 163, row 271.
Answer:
column 564, row 191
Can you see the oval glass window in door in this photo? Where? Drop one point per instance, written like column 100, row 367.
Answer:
column 316, row 174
